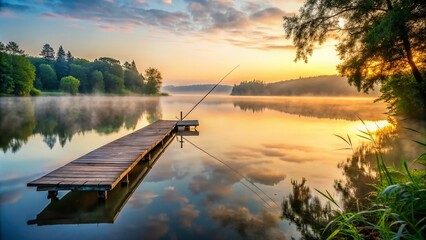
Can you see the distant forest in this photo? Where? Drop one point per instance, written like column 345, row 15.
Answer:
column 311, row 86
column 23, row 75
column 199, row 88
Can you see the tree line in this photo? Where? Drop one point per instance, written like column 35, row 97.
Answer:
column 23, row 75
column 330, row 85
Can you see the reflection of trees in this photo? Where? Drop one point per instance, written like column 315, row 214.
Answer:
column 16, row 122
column 306, row 211
column 59, row 118
column 341, row 108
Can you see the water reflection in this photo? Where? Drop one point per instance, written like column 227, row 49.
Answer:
column 82, row 207
column 306, row 211
column 303, row 208
column 331, row 108
column 60, row 118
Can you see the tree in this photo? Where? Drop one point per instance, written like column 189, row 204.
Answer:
column 69, row 84
column 97, row 81
column 113, row 83
column 133, row 81
column 377, row 39
column 153, row 81
column 13, row 49
column 70, row 57
column 61, row 66
column 2, row 47
column 81, row 73
column 17, row 74
column 109, row 60
column 6, row 82
column 48, row 77
column 48, row 53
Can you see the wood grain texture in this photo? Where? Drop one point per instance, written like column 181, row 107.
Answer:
column 103, row 168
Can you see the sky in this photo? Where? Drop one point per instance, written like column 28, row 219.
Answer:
column 188, row 41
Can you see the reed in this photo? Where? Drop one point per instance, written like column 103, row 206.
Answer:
column 397, row 207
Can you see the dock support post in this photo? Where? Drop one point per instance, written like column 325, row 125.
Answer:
column 181, row 116
column 52, row 194
column 125, row 180
column 102, row 195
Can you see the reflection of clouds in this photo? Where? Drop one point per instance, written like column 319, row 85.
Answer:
column 142, row 200
column 186, row 215
column 216, row 183
column 171, row 195
column 156, row 227
column 266, row 176
column 165, row 170
column 10, row 196
column 291, row 147
column 285, row 152
column 249, row 226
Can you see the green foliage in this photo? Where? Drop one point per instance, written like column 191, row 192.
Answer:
column 17, row 74
column 397, row 208
column 12, row 48
column 97, row 81
column 35, row 92
column 47, row 53
column 379, row 39
column 103, row 75
column 113, row 83
column 69, row 84
column 402, row 93
column 109, row 60
column 48, row 77
column 61, row 65
column 133, row 80
column 81, row 73
column 70, row 57
column 6, row 82
column 153, row 81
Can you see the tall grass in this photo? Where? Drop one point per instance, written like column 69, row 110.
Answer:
column 397, row 208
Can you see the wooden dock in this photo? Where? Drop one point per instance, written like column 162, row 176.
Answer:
column 81, row 207
column 102, row 169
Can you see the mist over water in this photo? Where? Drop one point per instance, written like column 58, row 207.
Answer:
column 252, row 150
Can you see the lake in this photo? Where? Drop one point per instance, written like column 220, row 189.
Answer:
column 229, row 182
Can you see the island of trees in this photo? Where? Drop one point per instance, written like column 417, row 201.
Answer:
column 23, row 75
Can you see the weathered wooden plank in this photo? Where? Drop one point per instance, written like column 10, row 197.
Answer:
column 103, row 168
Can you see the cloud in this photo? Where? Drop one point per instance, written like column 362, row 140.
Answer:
column 213, row 15
column 113, row 28
column 169, row 2
column 268, row 15
column 236, row 21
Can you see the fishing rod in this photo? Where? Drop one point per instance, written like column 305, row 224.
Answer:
column 209, row 92
column 239, row 174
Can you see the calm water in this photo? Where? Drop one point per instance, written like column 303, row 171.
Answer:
column 227, row 183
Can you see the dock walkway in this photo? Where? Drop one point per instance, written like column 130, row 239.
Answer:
column 103, row 168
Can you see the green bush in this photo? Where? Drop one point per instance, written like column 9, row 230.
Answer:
column 69, row 84
column 35, row 92
column 403, row 94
